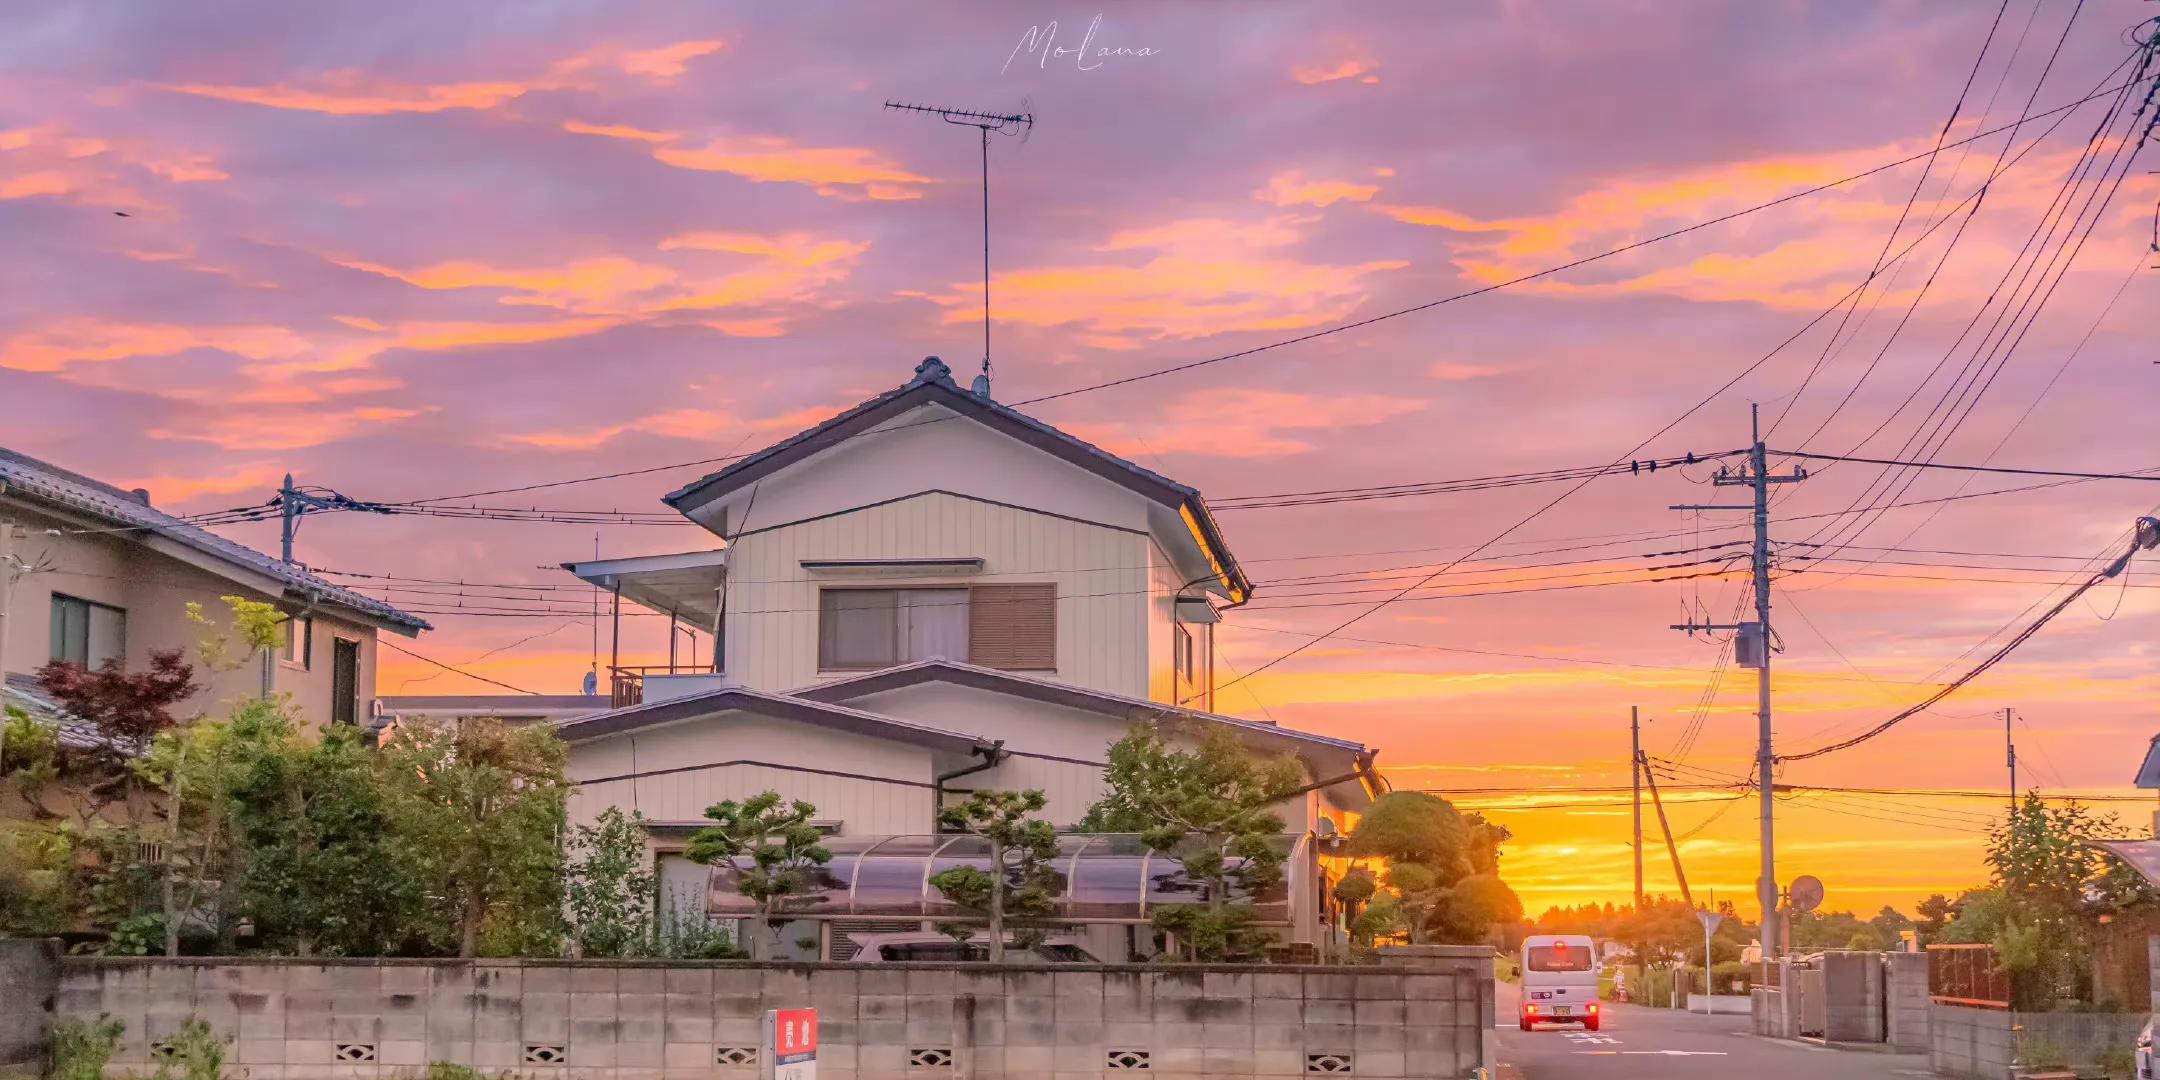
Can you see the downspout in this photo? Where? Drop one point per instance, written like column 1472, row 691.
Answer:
column 991, row 755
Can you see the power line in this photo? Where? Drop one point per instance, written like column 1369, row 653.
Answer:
column 2148, row 534
column 460, row 671
column 1968, row 468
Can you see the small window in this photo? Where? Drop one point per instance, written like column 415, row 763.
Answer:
column 297, row 643
column 876, row 628
column 87, row 633
column 1181, row 647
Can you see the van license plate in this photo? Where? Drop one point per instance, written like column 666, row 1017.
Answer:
column 1559, row 1010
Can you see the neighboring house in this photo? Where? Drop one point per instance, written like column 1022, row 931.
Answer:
column 927, row 594
column 90, row 572
column 515, row 708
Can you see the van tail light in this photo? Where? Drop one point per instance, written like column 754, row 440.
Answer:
column 1593, row 1008
column 1531, row 1009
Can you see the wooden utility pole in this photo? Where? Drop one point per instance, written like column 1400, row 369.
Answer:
column 1671, row 848
column 1635, row 766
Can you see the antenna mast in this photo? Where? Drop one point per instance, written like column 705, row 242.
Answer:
column 1003, row 124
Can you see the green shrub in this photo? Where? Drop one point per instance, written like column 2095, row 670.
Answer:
column 198, row 1051
column 2118, row 1062
column 80, row 1048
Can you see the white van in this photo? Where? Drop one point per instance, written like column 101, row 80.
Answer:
column 1559, row 980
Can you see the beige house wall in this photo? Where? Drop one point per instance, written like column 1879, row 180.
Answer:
column 154, row 581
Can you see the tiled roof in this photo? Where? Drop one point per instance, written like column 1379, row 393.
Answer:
column 30, row 478
column 21, row 691
column 933, row 381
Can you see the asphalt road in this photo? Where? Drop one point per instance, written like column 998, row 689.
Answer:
column 1639, row 1043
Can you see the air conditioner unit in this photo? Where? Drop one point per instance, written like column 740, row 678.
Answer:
column 1748, row 650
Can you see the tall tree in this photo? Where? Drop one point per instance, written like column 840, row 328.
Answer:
column 1019, row 882
column 609, row 887
column 1212, row 809
column 783, row 848
column 477, row 805
column 1443, row 865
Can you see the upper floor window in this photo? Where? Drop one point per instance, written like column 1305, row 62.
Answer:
column 296, row 646
column 87, row 633
column 1182, row 647
column 1013, row 627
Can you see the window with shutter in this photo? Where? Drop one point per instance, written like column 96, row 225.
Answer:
column 1013, row 627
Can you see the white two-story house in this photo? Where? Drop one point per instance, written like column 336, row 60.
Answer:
column 931, row 593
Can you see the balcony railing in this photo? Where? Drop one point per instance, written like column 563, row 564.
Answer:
column 627, row 682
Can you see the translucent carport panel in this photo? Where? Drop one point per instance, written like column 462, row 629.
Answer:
column 828, row 893
column 956, row 851
column 1106, row 879
column 1167, row 883
column 890, row 878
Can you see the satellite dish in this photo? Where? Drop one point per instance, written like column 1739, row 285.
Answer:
column 1806, row 893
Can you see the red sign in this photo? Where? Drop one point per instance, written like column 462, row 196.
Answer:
column 794, row 1033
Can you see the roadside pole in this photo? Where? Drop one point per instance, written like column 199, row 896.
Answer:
column 1710, row 921
column 1635, row 771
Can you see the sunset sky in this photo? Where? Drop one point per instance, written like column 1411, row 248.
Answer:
column 410, row 249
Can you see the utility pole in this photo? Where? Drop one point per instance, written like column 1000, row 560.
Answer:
column 1635, row 767
column 1751, row 648
column 1671, row 848
column 294, row 503
column 2010, row 749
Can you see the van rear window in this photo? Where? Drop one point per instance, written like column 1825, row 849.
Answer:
column 1556, row 958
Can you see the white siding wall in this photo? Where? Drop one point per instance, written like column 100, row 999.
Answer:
column 1102, row 576
column 877, row 807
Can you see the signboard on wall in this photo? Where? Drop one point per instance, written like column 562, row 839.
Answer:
column 790, row 1045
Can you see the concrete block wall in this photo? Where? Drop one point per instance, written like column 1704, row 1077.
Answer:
column 1906, row 975
column 564, row 1020
column 1981, row 1043
column 1973, row 1043
column 29, row 981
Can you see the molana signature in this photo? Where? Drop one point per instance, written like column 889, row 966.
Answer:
column 1040, row 42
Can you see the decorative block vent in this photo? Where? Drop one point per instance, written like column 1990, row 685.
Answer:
column 930, row 1057
column 355, row 1051
column 1333, row 1064
column 545, row 1054
column 737, row 1056
column 1125, row 1059
column 165, row 1049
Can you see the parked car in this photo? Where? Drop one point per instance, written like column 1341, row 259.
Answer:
column 1559, row 981
column 916, row 946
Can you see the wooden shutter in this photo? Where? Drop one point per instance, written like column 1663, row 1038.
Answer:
column 1013, row 627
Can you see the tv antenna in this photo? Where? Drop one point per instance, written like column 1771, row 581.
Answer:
column 987, row 123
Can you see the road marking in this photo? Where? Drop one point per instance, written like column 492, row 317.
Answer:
column 1679, row 1053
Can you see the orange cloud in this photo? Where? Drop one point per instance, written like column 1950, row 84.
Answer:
column 845, row 172
column 259, row 429
column 1450, row 371
column 188, row 169
column 1294, row 189
column 1359, row 67
column 1206, row 276
column 668, row 62
column 175, row 489
column 353, row 93
column 84, row 340
column 619, row 131
column 1247, row 423
column 588, row 285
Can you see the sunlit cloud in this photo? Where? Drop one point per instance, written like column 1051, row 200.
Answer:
column 1296, row 189
column 668, row 62
column 356, row 93
column 844, row 172
column 619, row 131
column 270, row 429
column 250, row 477
column 1206, row 276
column 84, row 340
column 1249, row 423
column 1358, row 67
